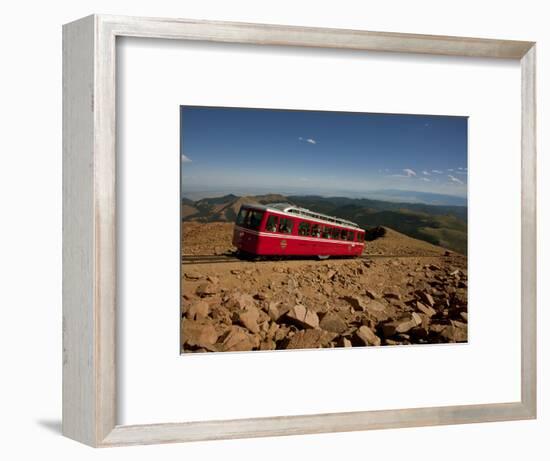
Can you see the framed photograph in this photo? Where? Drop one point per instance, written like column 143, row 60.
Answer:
column 273, row 230
column 253, row 226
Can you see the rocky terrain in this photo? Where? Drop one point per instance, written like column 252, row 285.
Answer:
column 207, row 239
column 403, row 291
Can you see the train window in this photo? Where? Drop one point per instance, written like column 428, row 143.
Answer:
column 360, row 236
column 271, row 225
column 285, row 225
column 241, row 216
column 344, row 234
column 316, row 230
column 326, row 232
column 254, row 219
column 303, row 228
column 336, row 234
column 351, row 236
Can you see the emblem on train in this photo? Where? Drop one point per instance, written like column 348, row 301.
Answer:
column 267, row 230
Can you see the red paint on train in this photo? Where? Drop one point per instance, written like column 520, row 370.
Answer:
column 285, row 230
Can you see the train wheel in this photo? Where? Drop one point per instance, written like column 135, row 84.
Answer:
column 323, row 257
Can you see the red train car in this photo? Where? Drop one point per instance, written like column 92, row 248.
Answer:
column 281, row 229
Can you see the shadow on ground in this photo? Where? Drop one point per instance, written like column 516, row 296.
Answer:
column 52, row 425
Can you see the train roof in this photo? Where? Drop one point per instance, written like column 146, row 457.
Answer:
column 289, row 209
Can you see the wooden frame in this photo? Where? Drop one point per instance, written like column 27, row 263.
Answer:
column 89, row 218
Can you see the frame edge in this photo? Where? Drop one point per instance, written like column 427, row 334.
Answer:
column 529, row 232
column 79, row 322
column 89, row 232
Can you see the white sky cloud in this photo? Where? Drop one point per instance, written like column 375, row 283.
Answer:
column 425, row 179
column 407, row 173
column 454, row 179
column 426, row 173
column 185, row 159
column 437, row 171
column 308, row 140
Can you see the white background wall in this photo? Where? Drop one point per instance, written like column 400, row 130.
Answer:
column 30, row 235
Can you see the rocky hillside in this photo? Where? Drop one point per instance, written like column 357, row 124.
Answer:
column 250, row 306
column 407, row 292
column 441, row 225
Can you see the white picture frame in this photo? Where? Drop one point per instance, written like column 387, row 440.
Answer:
column 89, row 230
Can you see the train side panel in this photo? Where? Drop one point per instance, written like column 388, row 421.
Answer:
column 279, row 235
column 276, row 244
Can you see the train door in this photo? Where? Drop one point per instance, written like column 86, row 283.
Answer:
column 303, row 243
column 286, row 226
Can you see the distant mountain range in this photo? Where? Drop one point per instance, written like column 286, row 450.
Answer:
column 443, row 225
column 409, row 196
column 389, row 195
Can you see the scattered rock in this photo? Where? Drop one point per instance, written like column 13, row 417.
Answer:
column 333, row 322
column 206, row 289
column 372, row 294
column 426, row 298
column 238, row 340
column 241, row 301
column 357, row 302
column 367, row 336
column 425, row 309
column 437, row 328
column 303, row 316
column 272, row 330
column 268, row 345
column 198, row 310
column 249, row 319
column 221, row 315
column 392, row 295
column 309, row 339
column 273, row 311
column 198, row 334
column 344, row 342
column 375, row 306
column 281, row 333
column 401, row 325
column 454, row 334
column 459, row 324
column 191, row 275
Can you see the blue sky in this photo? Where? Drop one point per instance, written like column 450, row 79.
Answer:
column 257, row 151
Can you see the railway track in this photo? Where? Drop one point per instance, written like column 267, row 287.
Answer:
column 216, row 259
